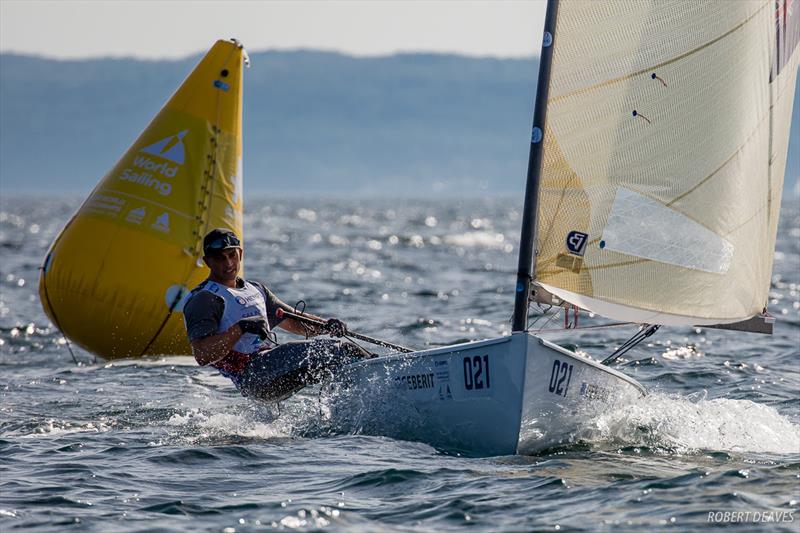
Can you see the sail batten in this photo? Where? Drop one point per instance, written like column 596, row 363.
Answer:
column 664, row 154
column 657, row 66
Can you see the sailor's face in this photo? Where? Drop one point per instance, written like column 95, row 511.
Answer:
column 224, row 265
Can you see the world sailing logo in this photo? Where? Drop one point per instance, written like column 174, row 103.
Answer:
column 170, row 148
column 150, row 173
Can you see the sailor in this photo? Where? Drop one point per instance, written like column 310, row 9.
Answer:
column 230, row 320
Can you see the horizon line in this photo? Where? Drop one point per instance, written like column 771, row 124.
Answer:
column 332, row 51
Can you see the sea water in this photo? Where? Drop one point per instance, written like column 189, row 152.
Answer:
column 162, row 444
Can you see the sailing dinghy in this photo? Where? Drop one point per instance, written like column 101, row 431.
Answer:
column 659, row 145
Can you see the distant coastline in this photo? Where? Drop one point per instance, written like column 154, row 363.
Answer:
column 321, row 124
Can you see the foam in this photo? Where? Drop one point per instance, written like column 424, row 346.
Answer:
column 691, row 424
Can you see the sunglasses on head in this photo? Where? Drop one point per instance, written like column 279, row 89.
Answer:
column 227, row 241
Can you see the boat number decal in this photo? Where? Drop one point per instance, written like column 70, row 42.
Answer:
column 476, row 373
column 560, row 377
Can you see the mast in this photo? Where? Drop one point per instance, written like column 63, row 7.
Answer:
column 527, row 257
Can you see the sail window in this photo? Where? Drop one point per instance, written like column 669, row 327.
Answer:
column 643, row 227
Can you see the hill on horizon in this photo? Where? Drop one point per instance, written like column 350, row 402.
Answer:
column 316, row 123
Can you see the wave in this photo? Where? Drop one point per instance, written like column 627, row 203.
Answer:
column 692, row 424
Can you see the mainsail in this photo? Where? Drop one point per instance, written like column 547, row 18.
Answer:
column 114, row 279
column 664, row 152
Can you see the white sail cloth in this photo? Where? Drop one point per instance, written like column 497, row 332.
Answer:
column 665, row 149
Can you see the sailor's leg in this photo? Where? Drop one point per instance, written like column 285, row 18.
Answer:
column 282, row 371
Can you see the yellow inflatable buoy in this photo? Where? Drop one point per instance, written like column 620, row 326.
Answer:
column 115, row 279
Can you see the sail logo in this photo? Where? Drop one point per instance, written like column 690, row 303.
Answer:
column 162, row 223
column 135, row 216
column 150, row 173
column 576, row 242
column 170, row 148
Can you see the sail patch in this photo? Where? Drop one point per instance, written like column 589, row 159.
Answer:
column 170, row 148
column 643, row 227
column 576, row 242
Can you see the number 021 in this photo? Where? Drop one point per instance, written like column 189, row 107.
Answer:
column 560, row 373
column 476, row 373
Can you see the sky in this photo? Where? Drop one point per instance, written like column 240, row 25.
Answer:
column 150, row 29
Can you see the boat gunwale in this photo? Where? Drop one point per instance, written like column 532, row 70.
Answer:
column 592, row 363
column 450, row 348
column 453, row 348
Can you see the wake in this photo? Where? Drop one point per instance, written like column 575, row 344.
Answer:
column 690, row 424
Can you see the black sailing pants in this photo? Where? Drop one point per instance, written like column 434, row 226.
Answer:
column 276, row 374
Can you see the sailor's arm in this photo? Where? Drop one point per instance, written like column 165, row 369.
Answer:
column 301, row 328
column 210, row 349
column 202, row 314
column 295, row 326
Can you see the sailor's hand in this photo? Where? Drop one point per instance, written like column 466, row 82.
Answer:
column 335, row 327
column 255, row 325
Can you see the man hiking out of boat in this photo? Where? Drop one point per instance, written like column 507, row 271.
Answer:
column 230, row 324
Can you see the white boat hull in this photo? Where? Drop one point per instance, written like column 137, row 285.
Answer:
column 516, row 394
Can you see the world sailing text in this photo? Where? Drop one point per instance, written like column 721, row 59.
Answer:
column 146, row 177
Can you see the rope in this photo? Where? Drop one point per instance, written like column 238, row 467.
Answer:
column 639, row 336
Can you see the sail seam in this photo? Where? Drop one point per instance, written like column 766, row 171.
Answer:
column 662, row 64
column 547, row 262
column 734, row 154
column 719, row 168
